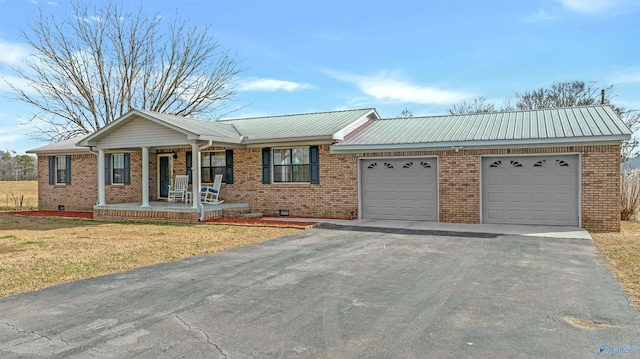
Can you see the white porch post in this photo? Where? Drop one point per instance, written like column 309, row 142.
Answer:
column 195, row 175
column 145, row 176
column 101, row 174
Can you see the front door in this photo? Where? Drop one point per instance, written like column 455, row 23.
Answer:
column 164, row 175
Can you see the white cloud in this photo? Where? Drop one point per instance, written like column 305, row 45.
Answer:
column 271, row 85
column 388, row 86
column 12, row 53
column 52, row 3
column 590, row 6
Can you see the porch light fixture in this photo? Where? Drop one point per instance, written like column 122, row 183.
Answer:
column 457, row 148
column 284, row 212
column 61, row 207
column 175, row 156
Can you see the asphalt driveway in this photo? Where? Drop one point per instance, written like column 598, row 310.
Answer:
column 340, row 293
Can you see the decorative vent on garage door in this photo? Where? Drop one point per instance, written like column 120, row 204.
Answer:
column 541, row 163
column 388, row 165
column 496, row 164
column 425, row 164
column 561, row 163
column 408, row 165
column 516, row 164
column 373, row 165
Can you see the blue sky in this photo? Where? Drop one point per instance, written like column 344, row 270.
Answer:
column 323, row 55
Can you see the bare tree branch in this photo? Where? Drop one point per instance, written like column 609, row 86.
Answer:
column 90, row 67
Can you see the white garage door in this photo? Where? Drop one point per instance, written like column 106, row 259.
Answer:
column 399, row 188
column 530, row 190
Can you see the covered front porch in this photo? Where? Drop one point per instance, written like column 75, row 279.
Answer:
column 168, row 211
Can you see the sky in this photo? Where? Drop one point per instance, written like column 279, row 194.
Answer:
column 422, row 55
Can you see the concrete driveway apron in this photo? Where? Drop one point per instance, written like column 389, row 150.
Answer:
column 341, row 292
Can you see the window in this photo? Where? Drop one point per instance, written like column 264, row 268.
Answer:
column 213, row 163
column 118, row 168
column 59, row 170
column 291, row 165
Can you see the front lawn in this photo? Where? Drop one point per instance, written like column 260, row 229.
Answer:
column 39, row 252
column 622, row 253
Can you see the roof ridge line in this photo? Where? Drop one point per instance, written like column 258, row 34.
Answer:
column 297, row 114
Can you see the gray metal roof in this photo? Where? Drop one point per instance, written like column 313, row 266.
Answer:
column 580, row 124
column 319, row 124
column 65, row 146
column 301, row 127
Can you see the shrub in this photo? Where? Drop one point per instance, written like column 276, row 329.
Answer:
column 630, row 193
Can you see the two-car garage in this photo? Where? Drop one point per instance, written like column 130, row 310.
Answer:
column 537, row 189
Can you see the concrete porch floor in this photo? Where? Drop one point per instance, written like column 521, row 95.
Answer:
column 163, row 206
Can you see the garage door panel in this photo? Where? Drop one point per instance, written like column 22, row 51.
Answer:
column 426, row 196
column 495, row 179
column 518, row 180
column 495, row 197
column 399, row 188
column 540, row 215
column 516, row 197
column 516, row 214
column 563, row 198
column 538, row 179
column 564, row 179
column 539, row 198
column 539, row 190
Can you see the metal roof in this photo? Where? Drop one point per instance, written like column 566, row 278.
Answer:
column 65, row 146
column 318, row 124
column 300, row 127
column 579, row 124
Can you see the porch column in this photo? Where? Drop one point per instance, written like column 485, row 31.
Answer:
column 101, row 196
column 195, row 175
column 145, row 176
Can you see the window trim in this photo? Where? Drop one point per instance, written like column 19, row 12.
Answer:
column 273, row 165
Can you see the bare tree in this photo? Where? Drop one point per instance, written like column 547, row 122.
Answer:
column 406, row 113
column 479, row 105
column 90, row 67
column 563, row 94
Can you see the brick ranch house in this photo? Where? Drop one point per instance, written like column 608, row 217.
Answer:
column 544, row 167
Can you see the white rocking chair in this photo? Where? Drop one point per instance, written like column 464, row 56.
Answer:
column 209, row 194
column 179, row 189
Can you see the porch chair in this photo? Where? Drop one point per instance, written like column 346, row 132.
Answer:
column 209, row 194
column 179, row 188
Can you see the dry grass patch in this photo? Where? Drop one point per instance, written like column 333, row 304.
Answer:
column 622, row 252
column 12, row 192
column 39, row 252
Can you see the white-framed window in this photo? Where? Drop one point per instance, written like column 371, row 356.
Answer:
column 61, row 170
column 291, row 165
column 118, row 168
column 213, row 163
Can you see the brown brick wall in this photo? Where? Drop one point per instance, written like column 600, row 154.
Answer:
column 80, row 195
column 336, row 195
